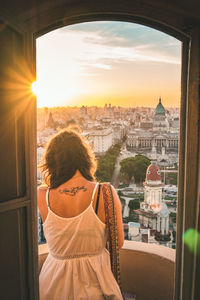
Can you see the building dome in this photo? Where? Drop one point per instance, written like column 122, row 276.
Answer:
column 153, row 173
column 160, row 110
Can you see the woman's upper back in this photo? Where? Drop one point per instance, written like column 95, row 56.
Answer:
column 78, row 236
column 70, row 198
column 74, row 197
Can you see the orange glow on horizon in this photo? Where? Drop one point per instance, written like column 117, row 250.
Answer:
column 94, row 66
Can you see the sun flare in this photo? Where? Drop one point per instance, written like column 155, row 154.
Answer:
column 34, row 88
column 49, row 93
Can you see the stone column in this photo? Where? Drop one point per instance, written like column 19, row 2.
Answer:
column 160, row 196
column 126, row 208
column 167, row 225
column 158, row 224
column 162, row 226
column 154, row 224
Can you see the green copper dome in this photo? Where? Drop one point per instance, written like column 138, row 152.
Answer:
column 160, row 110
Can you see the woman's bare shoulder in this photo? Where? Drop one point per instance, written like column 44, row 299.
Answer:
column 91, row 183
column 41, row 190
column 42, row 187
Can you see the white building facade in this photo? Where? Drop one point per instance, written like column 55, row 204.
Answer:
column 158, row 137
column 102, row 140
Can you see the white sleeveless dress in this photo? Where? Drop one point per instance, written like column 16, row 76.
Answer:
column 78, row 265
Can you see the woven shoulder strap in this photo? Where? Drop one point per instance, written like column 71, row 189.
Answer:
column 111, row 225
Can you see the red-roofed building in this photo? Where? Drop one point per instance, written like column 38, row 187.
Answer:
column 153, row 173
column 153, row 212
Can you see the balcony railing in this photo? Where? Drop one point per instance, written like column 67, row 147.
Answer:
column 147, row 270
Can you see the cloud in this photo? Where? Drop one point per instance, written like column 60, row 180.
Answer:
column 92, row 51
column 106, row 56
column 99, row 66
column 125, row 34
column 88, row 49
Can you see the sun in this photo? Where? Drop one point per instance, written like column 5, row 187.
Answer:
column 54, row 93
column 34, row 88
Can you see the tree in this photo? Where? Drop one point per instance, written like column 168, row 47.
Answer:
column 127, row 166
column 119, row 193
column 106, row 164
column 134, row 204
column 173, row 178
column 122, row 201
column 135, row 166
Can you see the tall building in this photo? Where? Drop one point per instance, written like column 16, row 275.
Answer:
column 153, row 212
column 50, row 122
column 102, row 140
column 83, row 110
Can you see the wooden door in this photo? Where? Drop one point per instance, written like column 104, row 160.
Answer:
column 18, row 213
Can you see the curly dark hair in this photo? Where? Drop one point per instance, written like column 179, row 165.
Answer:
column 66, row 153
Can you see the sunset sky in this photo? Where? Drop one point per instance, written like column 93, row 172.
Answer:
column 120, row 63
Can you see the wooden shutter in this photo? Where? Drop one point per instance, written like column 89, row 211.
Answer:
column 18, row 214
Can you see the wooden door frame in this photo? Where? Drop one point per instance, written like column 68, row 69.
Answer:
column 188, row 156
column 182, row 282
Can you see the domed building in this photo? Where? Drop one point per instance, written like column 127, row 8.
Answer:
column 160, row 122
column 153, row 212
column 152, row 188
column 160, row 110
column 159, row 139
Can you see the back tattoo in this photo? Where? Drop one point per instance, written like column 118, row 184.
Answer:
column 73, row 191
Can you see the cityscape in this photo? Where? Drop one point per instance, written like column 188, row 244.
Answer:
column 137, row 151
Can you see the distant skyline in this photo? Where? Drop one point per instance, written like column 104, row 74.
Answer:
column 120, row 63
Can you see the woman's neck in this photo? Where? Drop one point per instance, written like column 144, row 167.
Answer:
column 74, row 185
column 77, row 174
column 78, row 177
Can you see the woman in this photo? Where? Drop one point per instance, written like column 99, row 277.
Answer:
column 78, row 265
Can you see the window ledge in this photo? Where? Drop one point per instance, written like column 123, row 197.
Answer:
column 162, row 251
column 147, row 270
